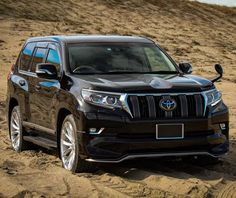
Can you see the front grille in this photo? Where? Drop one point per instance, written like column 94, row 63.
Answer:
column 147, row 107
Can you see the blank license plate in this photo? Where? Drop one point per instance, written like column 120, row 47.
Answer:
column 169, row 131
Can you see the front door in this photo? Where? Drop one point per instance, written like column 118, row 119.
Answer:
column 43, row 96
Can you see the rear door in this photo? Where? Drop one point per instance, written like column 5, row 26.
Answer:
column 44, row 91
column 21, row 79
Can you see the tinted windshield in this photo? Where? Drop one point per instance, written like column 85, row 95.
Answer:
column 118, row 58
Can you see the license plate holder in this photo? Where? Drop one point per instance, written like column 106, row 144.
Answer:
column 169, row 131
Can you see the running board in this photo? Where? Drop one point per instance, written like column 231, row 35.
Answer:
column 135, row 156
column 40, row 141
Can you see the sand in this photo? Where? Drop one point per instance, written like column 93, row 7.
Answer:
column 190, row 31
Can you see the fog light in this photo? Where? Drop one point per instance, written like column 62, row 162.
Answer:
column 222, row 126
column 92, row 130
column 95, row 130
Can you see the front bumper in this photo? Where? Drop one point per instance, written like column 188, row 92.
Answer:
column 124, row 139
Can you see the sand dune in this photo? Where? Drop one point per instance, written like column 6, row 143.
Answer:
column 190, row 31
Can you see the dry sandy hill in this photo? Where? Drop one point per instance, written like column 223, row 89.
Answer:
column 189, row 31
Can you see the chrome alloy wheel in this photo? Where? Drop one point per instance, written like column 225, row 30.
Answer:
column 15, row 130
column 67, row 145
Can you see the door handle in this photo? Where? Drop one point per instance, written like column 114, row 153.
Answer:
column 37, row 87
column 22, row 83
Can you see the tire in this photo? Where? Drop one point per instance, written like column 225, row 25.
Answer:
column 69, row 148
column 17, row 132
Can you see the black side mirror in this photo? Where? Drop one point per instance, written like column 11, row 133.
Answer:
column 46, row 70
column 220, row 71
column 186, row 68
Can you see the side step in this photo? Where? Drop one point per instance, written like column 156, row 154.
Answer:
column 44, row 142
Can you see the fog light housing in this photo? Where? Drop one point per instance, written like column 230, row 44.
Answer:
column 92, row 130
column 222, row 126
column 95, row 131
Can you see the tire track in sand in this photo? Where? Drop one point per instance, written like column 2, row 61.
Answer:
column 113, row 185
column 229, row 191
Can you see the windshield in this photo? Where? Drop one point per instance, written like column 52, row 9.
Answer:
column 118, row 58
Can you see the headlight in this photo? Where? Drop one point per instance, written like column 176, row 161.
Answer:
column 213, row 97
column 105, row 99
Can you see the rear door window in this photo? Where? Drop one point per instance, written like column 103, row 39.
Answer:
column 53, row 57
column 39, row 57
column 26, row 56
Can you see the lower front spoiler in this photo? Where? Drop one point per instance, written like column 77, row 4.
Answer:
column 153, row 155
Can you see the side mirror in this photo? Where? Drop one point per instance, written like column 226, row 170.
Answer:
column 186, row 68
column 46, row 70
column 220, row 71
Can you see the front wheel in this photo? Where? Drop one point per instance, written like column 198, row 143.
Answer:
column 69, row 148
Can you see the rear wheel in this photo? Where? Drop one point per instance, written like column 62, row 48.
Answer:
column 17, row 131
column 69, row 148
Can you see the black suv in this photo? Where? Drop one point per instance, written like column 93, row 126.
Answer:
column 110, row 99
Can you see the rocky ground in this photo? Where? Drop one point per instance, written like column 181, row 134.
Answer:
column 189, row 31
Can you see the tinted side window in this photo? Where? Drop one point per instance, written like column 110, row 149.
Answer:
column 53, row 57
column 38, row 58
column 26, row 56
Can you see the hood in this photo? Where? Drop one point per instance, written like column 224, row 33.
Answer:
column 144, row 82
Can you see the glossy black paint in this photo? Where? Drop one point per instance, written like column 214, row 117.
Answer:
column 46, row 70
column 186, row 68
column 220, row 71
column 42, row 101
column 144, row 83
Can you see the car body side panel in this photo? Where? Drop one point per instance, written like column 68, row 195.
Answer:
column 43, row 96
column 18, row 89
